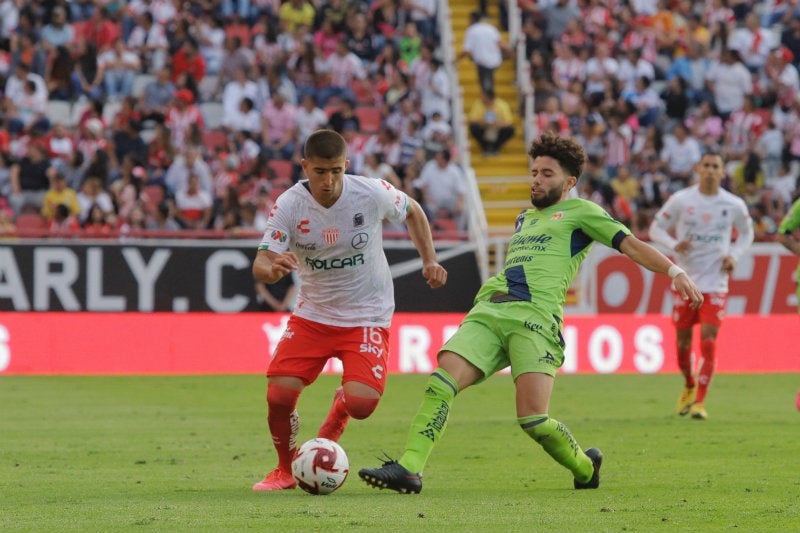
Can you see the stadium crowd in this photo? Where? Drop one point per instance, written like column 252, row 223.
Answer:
column 192, row 115
column 648, row 86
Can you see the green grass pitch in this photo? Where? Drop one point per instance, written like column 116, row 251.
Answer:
column 181, row 453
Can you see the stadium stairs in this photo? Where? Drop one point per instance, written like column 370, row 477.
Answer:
column 503, row 179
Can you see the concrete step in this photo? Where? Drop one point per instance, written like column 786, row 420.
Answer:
column 504, row 216
column 498, row 168
column 468, row 74
column 505, row 191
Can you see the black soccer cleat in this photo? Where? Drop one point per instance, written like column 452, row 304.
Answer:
column 392, row 475
column 597, row 459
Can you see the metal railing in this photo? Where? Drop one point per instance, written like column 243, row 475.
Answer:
column 477, row 226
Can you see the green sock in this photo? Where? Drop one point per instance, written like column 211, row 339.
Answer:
column 559, row 443
column 430, row 421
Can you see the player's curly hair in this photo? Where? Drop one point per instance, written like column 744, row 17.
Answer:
column 569, row 154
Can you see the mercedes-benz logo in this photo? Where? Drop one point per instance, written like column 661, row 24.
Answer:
column 359, row 240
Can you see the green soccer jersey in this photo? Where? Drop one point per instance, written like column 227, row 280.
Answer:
column 789, row 224
column 547, row 249
column 792, row 219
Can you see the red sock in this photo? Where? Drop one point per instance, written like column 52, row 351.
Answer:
column 344, row 407
column 283, row 423
column 686, row 365
column 334, row 424
column 707, row 348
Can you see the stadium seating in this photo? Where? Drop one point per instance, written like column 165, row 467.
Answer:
column 330, row 110
column 213, row 139
column 365, row 94
column 212, row 114
column 370, row 119
column 30, row 223
column 208, row 87
column 110, row 110
column 60, row 112
column 140, row 82
column 283, row 169
column 78, row 108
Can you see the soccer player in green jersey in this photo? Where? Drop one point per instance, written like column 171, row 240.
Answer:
column 787, row 236
column 517, row 321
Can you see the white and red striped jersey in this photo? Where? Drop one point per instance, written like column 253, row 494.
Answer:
column 180, row 122
column 565, row 71
column 618, row 146
column 344, row 69
column 743, row 127
column 709, row 221
column 344, row 274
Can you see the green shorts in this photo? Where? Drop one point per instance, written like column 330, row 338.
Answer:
column 496, row 335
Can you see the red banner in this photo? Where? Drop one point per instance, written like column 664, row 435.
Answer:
column 763, row 283
column 214, row 343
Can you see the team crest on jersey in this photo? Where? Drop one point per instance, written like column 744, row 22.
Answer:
column 331, row 235
column 278, row 235
column 358, row 220
column 557, row 216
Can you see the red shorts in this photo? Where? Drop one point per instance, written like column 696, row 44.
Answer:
column 307, row 346
column 711, row 311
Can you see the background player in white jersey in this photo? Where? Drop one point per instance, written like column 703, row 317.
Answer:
column 702, row 217
column 329, row 228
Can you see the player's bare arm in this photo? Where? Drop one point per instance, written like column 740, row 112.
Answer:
column 653, row 260
column 270, row 267
column 789, row 242
column 420, row 232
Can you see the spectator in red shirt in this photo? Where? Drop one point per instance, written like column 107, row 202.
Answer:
column 97, row 224
column 100, row 30
column 188, row 59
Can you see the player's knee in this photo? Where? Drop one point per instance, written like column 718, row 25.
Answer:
column 282, row 396
column 359, row 407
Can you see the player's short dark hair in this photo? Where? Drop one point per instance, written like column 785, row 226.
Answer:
column 325, row 144
column 569, row 153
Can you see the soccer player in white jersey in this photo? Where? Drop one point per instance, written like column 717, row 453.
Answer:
column 329, row 227
column 703, row 217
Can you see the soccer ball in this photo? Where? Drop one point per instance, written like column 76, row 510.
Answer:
column 320, row 466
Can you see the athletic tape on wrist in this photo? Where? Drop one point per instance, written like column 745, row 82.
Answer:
column 675, row 271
